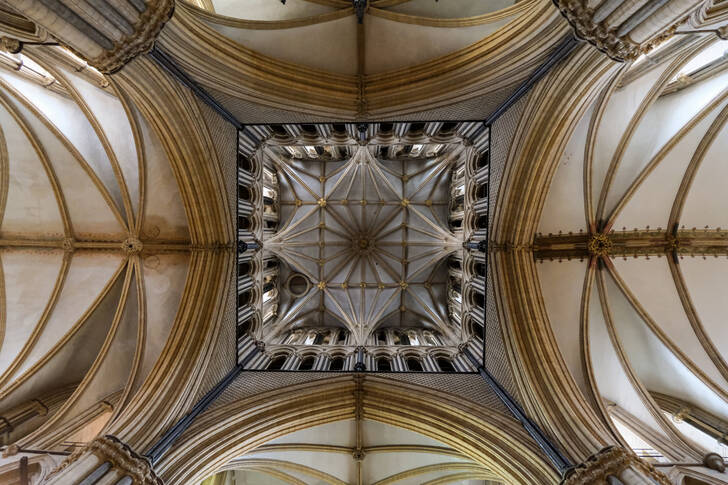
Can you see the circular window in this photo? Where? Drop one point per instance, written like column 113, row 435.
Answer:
column 297, row 285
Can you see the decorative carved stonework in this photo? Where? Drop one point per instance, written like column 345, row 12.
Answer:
column 8, row 44
column 611, row 462
column 141, row 41
column 606, row 37
column 599, row 245
column 132, row 246
column 111, row 449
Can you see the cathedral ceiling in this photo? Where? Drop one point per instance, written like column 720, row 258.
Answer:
column 353, row 451
column 395, row 34
column 633, row 252
column 93, row 240
column 313, row 60
column 367, row 227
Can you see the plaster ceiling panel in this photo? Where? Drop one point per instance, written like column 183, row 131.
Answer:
column 394, row 45
column 652, row 202
column 338, row 465
column 662, row 303
column 328, row 46
column 633, row 439
column 28, row 281
column 249, row 477
column 88, row 275
column 72, row 123
column 706, row 203
column 116, row 363
column 611, row 380
column 659, row 125
column 707, row 285
column 164, row 213
column 562, row 284
column 164, row 277
column 338, row 433
column 268, row 9
column 564, row 206
column 31, row 205
column 70, row 360
column 644, row 350
column 450, row 8
column 114, row 123
column 376, row 433
column 91, row 214
column 619, row 110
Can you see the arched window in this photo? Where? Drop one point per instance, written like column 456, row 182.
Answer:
column 244, row 223
column 244, row 298
column 383, row 364
column 341, row 338
column 480, row 269
column 482, row 222
column 481, row 191
column 278, row 130
column 244, row 269
column 277, row 363
column 413, row 338
column 478, row 330
column 337, row 363
column 430, row 338
column 307, row 363
column 319, row 338
column 403, row 339
column 382, row 337
column 245, row 163
column 244, row 193
column 245, row 327
column 445, row 364
column 414, row 364
column 482, row 161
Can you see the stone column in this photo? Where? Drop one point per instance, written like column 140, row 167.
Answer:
column 106, row 460
column 625, row 29
column 105, row 33
column 615, row 466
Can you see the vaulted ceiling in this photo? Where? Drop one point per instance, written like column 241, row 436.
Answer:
column 367, row 225
column 351, row 451
column 324, row 34
column 81, row 308
column 633, row 250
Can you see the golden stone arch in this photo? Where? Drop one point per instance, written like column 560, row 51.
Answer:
column 231, row 429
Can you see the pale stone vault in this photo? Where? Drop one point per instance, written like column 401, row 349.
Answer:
column 363, row 242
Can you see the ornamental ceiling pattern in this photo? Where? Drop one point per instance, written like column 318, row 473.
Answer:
column 367, row 226
column 92, row 263
column 391, row 35
column 633, row 251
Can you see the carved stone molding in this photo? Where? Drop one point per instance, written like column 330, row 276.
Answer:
column 111, row 449
column 141, row 41
column 91, row 35
column 122, row 458
column 612, row 462
column 606, row 37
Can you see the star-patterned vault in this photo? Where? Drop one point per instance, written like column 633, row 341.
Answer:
column 367, row 225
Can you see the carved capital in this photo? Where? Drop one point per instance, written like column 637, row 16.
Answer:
column 605, row 37
column 612, row 462
column 146, row 30
column 10, row 45
column 111, row 449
